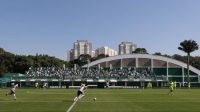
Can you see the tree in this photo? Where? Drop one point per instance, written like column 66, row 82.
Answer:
column 188, row 46
column 6, row 61
column 101, row 56
column 22, row 63
column 19, row 63
column 140, row 51
column 70, row 64
column 84, row 59
column 1, row 74
column 179, row 57
column 157, row 53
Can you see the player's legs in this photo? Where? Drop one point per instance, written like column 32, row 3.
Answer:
column 79, row 95
column 171, row 92
column 14, row 95
column 76, row 98
column 9, row 93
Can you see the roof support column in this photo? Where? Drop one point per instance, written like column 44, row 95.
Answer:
column 167, row 70
column 136, row 62
column 183, row 76
column 99, row 66
column 152, row 65
column 198, row 78
column 121, row 64
column 107, row 64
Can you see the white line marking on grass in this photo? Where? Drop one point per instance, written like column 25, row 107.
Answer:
column 70, row 108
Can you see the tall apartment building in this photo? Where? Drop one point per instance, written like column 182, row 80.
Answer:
column 80, row 47
column 70, row 55
column 105, row 50
column 93, row 54
column 126, row 48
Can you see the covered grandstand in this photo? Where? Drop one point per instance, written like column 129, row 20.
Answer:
column 160, row 66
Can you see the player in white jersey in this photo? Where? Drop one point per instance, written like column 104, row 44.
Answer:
column 80, row 92
column 12, row 90
column 45, row 85
column 36, row 85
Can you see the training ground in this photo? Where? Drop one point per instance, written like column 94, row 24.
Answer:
column 108, row 100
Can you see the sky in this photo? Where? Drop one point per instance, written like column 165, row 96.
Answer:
column 51, row 27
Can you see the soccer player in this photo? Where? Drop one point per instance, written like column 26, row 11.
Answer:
column 171, row 87
column 107, row 84
column 45, row 85
column 12, row 90
column 174, row 84
column 36, row 85
column 80, row 92
column 149, row 85
column 189, row 85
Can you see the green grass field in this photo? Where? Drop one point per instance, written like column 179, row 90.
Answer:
column 108, row 100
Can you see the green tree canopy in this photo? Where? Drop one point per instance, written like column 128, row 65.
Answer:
column 20, row 63
column 188, row 46
column 140, row 51
column 157, row 53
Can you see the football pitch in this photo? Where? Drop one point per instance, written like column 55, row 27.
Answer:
column 108, row 100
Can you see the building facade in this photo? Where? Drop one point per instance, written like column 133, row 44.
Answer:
column 80, row 47
column 126, row 48
column 70, row 55
column 93, row 54
column 106, row 51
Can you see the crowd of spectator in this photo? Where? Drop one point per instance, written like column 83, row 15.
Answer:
column 65, row 73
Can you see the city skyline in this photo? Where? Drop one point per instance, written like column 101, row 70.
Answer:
column 50, row 27
column 85, row 47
